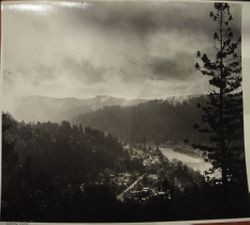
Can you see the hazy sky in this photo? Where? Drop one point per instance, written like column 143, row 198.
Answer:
column 123, row 49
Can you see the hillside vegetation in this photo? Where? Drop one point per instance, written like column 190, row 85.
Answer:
column 155, row 121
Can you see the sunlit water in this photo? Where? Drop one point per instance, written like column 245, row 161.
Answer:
column 196, row 163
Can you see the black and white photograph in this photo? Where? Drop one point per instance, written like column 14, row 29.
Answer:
column 122, row 111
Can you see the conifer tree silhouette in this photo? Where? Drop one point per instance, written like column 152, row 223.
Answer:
column 222, row 113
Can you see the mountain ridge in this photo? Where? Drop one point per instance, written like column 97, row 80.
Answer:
column 43, row 108
column 151, row 121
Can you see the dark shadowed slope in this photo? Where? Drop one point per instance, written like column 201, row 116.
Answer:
column 153, row 121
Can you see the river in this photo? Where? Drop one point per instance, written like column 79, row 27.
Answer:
column 196, row 163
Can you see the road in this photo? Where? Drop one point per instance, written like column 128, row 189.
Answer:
column 120, row 196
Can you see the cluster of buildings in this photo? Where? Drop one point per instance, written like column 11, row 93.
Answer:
column 146, row 185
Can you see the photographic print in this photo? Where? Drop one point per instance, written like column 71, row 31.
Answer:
column 122, row 111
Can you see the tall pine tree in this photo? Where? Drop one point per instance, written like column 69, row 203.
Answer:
column 222, row 113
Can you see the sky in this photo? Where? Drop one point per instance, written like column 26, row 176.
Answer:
column 128, row 49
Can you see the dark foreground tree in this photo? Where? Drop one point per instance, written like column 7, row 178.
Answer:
column 222, row 113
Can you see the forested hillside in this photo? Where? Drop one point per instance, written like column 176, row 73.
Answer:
column 60, row 172
column 47, row 165
column 155, row 121
column 65, row 168
column 63, row 149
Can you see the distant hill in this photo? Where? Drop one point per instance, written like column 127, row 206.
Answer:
column 171, row 119
column 135, row 120
column 43, row 109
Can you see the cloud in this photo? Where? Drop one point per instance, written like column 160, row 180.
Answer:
column 83, row 71
column 119, row 48
column 142, row 18
column 178, row 67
